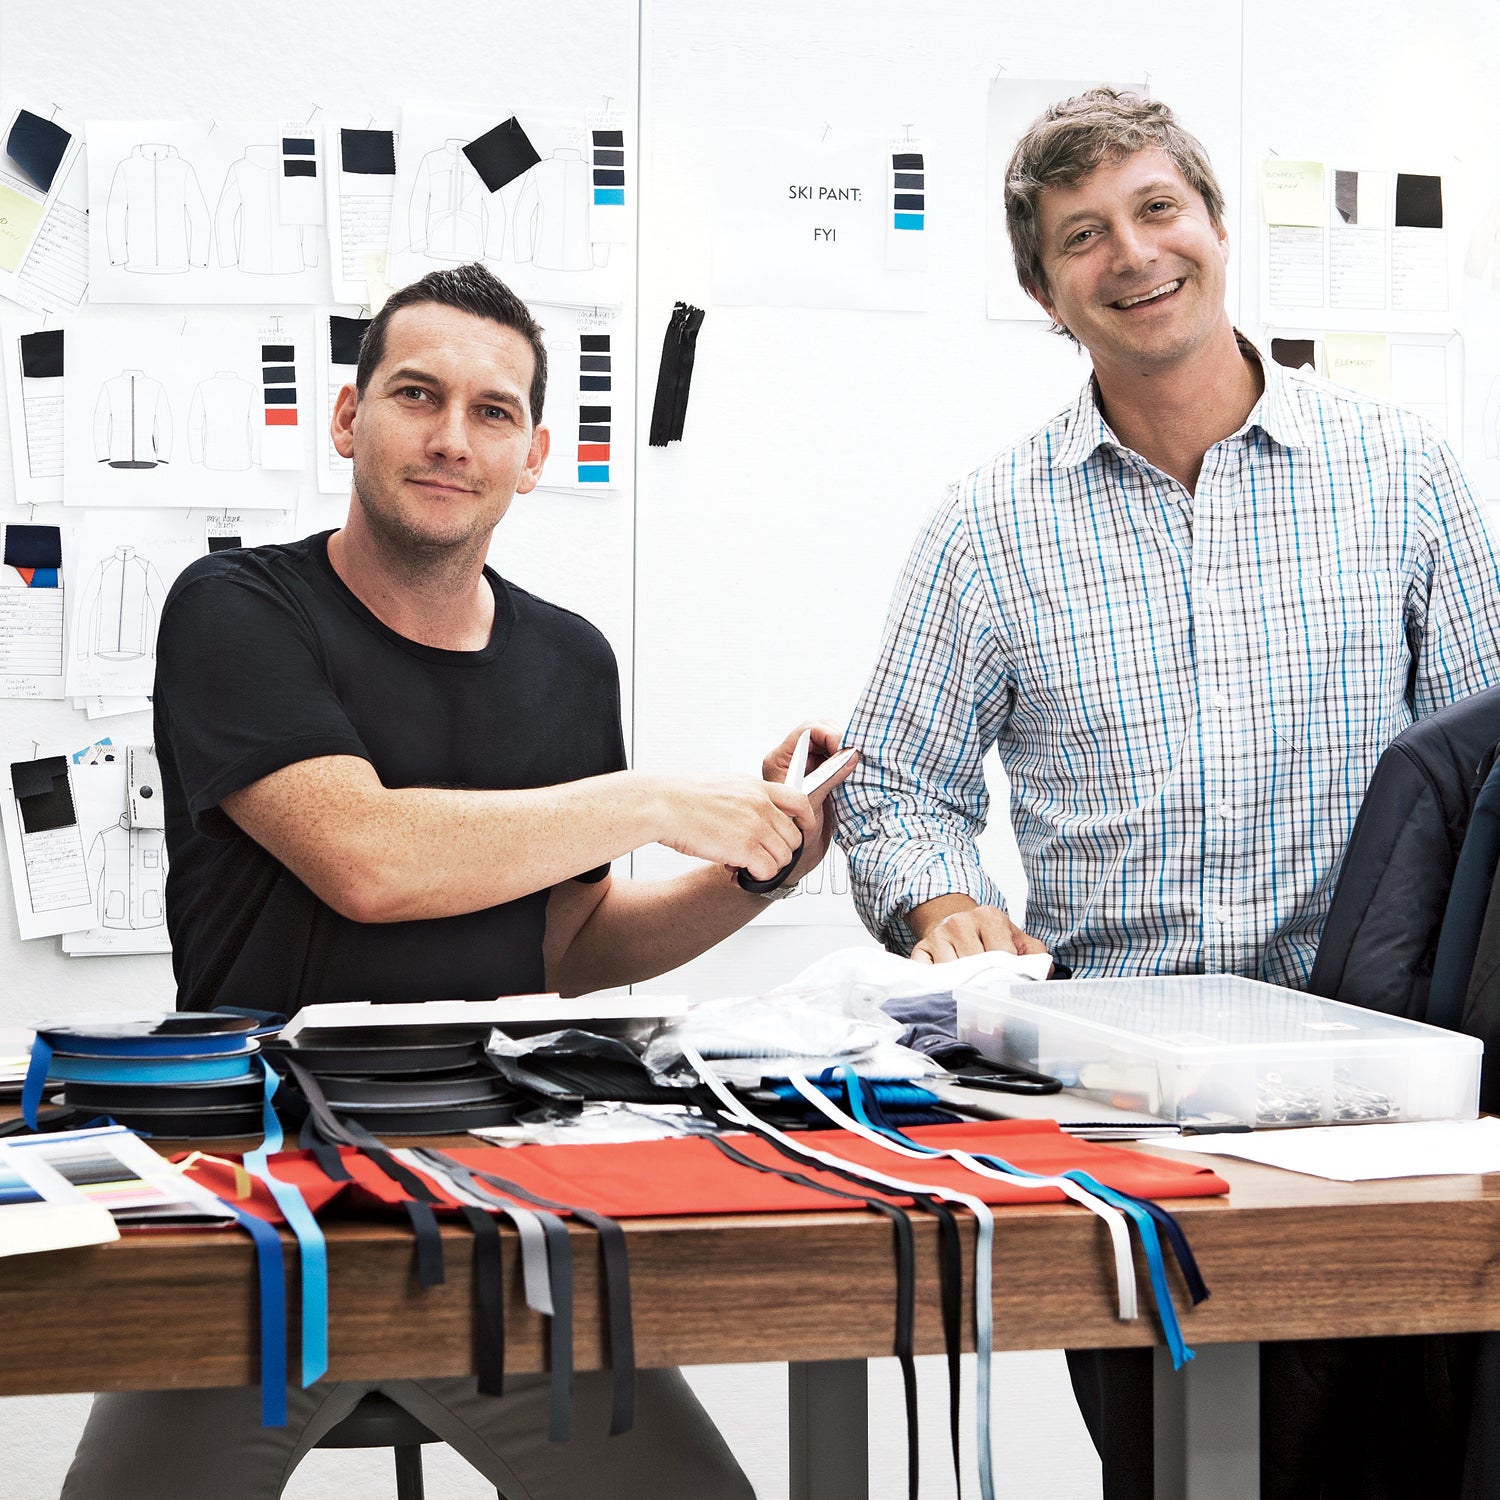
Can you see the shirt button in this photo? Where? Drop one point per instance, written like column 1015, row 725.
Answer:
column 1225, row 809
column 1220, row 700
column 1221, row 914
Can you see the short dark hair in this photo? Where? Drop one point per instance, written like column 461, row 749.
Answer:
column 1071, row 139
column 471, row 289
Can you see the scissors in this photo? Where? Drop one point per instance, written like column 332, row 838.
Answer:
column 797, row 780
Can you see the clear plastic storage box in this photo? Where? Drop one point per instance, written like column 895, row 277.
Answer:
column 1215, row 1049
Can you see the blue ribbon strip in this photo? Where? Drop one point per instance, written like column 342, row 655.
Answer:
column 36, row 1078
column 311, row 1245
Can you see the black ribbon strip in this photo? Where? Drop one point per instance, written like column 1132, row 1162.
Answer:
column 489, row 1302
column 616, row 1259
column 906, row 1287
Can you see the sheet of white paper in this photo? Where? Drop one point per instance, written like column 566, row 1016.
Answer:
column 45, row 852
column 34, row 406
column 1013, row 104
column 1381, row 259
column 336, row 352
column 799, row 220
column 192, row 211
column 31, row 630
column 536, row 232
column 41, row 1210
column 361, row 181
column 122, row 563
column 108, row 706
column 44, row 236
column 127, row 868
column 1364, row 1153
column 588, row 362
column 186, row 409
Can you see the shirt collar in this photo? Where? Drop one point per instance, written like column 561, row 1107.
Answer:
column 1275, row 413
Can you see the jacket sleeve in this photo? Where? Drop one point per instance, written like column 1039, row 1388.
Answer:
column 227, row 219
column 197, row 423
column 103, row 424
column 196, row 209
column 117, row 218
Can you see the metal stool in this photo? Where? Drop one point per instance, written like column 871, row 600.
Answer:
column 379, row 1422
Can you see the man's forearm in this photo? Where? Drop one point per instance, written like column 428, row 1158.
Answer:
column 922, row 919
column 644, row 928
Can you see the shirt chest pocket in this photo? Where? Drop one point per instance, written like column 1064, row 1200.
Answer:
column 1335, row 657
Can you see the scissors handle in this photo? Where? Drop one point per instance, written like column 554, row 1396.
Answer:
column 747, row 882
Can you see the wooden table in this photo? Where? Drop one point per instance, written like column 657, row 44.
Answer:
column 1285, row 1256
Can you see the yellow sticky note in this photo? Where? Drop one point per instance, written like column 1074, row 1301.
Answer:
column 1291, row 192
column 1360, row 360
column 377, row 288
column 20, row 217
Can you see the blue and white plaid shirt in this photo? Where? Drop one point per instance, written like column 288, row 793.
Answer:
column 1188, row 692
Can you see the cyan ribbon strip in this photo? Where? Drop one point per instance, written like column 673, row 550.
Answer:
column 312, row 1247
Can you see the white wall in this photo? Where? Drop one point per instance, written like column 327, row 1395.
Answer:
column 744, row 574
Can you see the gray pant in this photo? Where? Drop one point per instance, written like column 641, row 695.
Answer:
column 185, row 1445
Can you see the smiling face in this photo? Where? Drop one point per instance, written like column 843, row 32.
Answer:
column 1134, row 265
column 441, row 439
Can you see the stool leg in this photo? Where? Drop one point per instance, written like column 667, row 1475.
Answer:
column 408, row 1472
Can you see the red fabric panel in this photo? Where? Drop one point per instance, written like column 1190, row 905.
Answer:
column 593, row 453
column 688, row 1175
column 281, row 416
column 27, row 574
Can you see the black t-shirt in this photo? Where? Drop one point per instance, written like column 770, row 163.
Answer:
column 265, row 658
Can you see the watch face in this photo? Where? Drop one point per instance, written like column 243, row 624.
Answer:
column 112, row 1026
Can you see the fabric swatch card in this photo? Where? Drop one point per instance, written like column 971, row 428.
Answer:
column 360, row 180
column 44, row 229
column 33, row 355
column 44, row 847
column 588, row 371
column 31, row 612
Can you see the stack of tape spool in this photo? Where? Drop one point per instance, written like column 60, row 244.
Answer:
column 417, row 1079
column 184, row 1074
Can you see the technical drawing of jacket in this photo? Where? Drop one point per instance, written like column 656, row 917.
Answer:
column 552, row 214
column 120, row 607
column 451, row 210
column 247, row 227
column 156, row 219
column 128, row 875
column 221, row 422
column 132, row 422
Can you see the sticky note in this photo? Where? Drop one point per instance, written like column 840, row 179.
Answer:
column 1360, row 360
column 20, row 218
column 1291, row 192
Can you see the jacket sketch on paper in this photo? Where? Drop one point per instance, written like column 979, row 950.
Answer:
column 248, row 227
column 132, row 422
column 119, row 609
column 156, row 218
column 128, row 874
column 552, row 214
column 222, row 423
column 449, row 215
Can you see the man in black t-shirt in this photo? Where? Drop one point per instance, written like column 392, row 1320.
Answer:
column 391, row 775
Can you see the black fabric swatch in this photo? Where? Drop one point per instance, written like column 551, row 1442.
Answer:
column 609, row 137
column 1419, row 201
column 42, row 354
column 593, row 361
column 907, row 161
column 33, row 546
column 910, row 200
column 43, row 793
column 502, row 154
column 278, row 374
column 344, row 337
column 299, row 169
column 595, row 343
column 592, row 434
column 224, row 543
column 911, row 180
column 285, row 395
column 298, row 145
column 37, row 146
column 1293, row 353
column 1346, row 196
column 371, row 153
column 593, row 413
column 608, row 178
column 609, row 158
column 278, row 354
column 593, row 383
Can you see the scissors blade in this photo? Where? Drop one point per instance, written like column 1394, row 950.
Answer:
column 798, row 768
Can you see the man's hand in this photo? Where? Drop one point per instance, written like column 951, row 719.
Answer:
column 745, row 824
column 823, row 741
column 956, row 927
